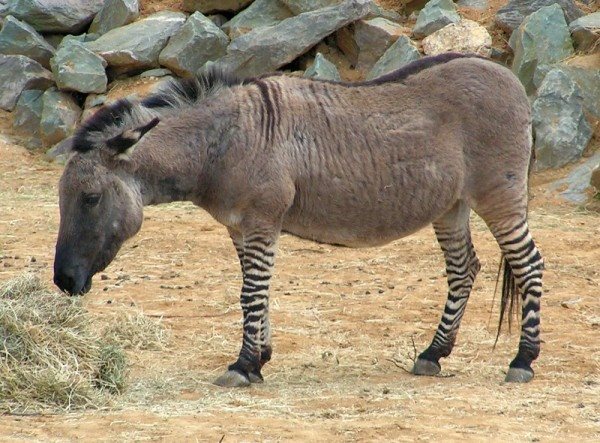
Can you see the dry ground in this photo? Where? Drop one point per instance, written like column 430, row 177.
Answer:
column 344, row 324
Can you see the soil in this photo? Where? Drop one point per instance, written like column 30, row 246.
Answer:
column 346, row 326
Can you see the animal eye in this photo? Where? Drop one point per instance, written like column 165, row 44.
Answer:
column 91, row 199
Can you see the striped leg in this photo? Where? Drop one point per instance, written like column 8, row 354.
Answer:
column 526, row 265
column 462, row 266
column 258, row 254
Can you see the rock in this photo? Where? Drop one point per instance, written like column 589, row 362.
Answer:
column 595, row 176
column 91, row 105
column 575, row 188
column 266, row 49
column 198, row 41
column 18, row 38
column 218, row 19
column 301, row 6
column 155, row 73
column 402, row 52
column 586, row 31
column 19, row 73
column 561, row 130
column 259, row 14
column 587, row 77
column 512, row 15
column 323, row 69
column 373, row 37
column 435, row 15
column 542, row 40
column 465, row 36
column 138, row 45
column 115, row 13
column 63, row 16
column 479, row 5
column 60, row 115
column 210, row 6
column 27, row 115
column 377, row 11
column 344, row 39
column 76, row 68
column 60, row 152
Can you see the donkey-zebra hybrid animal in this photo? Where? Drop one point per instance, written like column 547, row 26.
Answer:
column 347, row 164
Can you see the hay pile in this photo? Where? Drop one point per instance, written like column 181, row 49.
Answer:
column 55, row 355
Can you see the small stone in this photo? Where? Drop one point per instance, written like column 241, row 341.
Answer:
column 323, row 69
column 586, row 31
column 211, row 6
column 115, row 13
column 19, row 73
column 542, row 40
column 60, row 114
column 199, row 40
column 301, row 6
column 59, row 153
column 434, row 16
column 76, row 68
column 402, row 52
column 578, row 185
column 18, row 38
column 561, row 129
column 465, row 36
column 479, row 5
column 155, row 73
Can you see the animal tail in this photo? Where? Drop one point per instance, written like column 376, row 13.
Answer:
column 510, row 300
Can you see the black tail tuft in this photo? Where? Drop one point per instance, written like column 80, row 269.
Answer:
column 510, row 296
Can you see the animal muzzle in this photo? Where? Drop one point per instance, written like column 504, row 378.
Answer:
column 73, row 282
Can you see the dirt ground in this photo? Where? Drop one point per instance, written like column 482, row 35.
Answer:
column 344, row 325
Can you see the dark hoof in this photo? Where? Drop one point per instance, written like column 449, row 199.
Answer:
column 426, row 367
column 233, row 379
column 519, row 375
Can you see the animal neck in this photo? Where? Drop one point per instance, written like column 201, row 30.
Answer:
column 171, row 169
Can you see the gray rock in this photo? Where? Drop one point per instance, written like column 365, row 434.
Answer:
column 479, row 5
column 27, row 115
column 322, row 69
column 344, row 39
column 115, row 13
column 402, row 52
column 259, row 14
column 60, row 115
column 218, row 19
column 377, row 11
column 586, row 31
column 198, row 41
column 155, row 73
column 19, row 73
column 266, row 49
column 138, row 44
column 76, row 68
column 211, row 6
column 18, row 38
column 465, row 36
column 542, row 40
column 588, row 80
column 512, row 15
column 373, row 37
column 579, row 181
column 59, row 153
column 301, row 6
column 63, row 16
column 435, row 15
column 561, row 130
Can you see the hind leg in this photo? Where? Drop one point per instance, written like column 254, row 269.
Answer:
column 526, row 265
column 462, row 265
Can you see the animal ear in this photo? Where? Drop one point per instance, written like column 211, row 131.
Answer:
column 124, row 143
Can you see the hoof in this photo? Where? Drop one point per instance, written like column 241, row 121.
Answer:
column 426, row 367
column 519, row 375
column 256, row 377
column 232, row 379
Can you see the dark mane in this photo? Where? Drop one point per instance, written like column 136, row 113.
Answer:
column 129, row 113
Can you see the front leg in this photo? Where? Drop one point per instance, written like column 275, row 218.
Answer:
column 257, row 258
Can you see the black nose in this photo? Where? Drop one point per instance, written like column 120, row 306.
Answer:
column 72, row 283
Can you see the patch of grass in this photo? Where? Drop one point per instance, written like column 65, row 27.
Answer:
column 53, row 356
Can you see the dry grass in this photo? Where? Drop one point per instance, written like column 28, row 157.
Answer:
column 54, row 354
